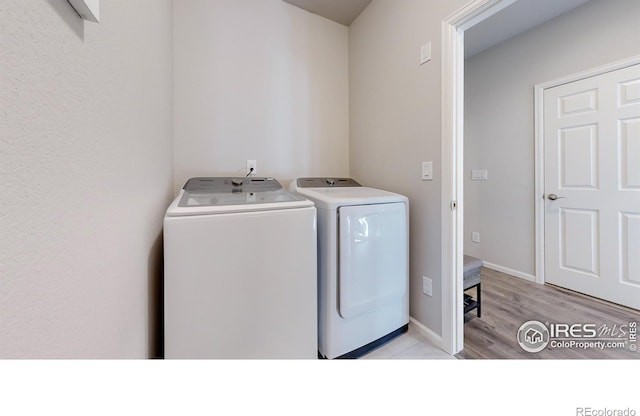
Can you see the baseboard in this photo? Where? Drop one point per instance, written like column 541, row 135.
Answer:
column 509, row 271
column 431, row 336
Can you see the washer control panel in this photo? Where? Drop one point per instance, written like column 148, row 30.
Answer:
column 232, row 184
column 326, row 183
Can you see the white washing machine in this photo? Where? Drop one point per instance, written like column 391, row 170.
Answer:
column 363, row 264
column 240, row 271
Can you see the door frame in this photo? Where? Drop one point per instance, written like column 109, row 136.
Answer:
column 539, row 90
column 452, row 139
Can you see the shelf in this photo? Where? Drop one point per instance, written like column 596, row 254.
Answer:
column 469, row 303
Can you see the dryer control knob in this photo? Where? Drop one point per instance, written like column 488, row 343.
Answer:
column 331, row 182
column 236, row 182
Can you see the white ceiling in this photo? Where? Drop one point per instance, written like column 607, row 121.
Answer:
column 517, row 18
column 341, row 11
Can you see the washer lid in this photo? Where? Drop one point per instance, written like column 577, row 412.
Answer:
column 331, row 198
column 234, row 184
column 325, row 182
column 227, row 194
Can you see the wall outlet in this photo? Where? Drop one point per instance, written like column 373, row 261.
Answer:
column 252, row 164
column 475, row 237
column 427, row 286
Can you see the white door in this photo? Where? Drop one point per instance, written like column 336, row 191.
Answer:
column 592, row 186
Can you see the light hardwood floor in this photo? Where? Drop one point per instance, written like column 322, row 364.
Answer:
column 508, row 302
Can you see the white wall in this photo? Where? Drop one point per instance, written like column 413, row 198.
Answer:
column 499, row 130
column 395, row 124
column 259, row 79
column 86, row 173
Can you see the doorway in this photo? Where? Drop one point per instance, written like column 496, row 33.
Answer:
column 454, row 29
column 452, row 130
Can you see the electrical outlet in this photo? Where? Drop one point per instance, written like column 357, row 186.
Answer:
column 427, row 286
column 475, row 237
column 252, row 164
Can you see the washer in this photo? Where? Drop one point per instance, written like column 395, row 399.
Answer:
column 240, row 271
column 363, row 257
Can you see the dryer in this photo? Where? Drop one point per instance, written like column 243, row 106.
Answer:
column 363, row 264
column 240, row 271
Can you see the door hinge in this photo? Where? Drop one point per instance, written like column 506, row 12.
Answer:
column 453, row 205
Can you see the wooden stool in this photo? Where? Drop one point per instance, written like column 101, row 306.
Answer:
column 472, row 278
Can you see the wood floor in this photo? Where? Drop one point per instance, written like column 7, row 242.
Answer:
column 508, row 302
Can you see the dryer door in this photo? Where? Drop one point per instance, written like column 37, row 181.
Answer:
column 373, row 256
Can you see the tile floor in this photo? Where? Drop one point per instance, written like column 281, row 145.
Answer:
column 412, row 345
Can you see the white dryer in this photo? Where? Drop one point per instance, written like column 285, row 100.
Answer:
column 240, row 271
column 363, row 258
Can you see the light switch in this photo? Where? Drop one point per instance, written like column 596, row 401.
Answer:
column 479, row 175
column 425, row 53
column 427, row 171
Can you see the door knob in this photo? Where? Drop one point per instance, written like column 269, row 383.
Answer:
column 553, row 197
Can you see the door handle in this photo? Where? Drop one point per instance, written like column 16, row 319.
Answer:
column 553, row 197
